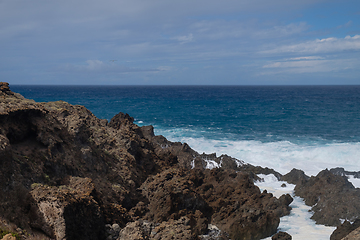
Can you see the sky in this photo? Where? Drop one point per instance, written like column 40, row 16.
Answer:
column 197, row 42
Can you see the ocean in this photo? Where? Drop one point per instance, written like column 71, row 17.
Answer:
column 280, row 127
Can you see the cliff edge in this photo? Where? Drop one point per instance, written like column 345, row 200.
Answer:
column 65, row 174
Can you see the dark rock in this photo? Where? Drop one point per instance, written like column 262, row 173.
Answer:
column 120, row 119
column 67, row 212
column 68, row 173
column 295, row 176
column 344, row 229
column 259, row 170
column 281, row 236
column 342, row 172
column 283, row 185
column 112, row 231
column 355, row 234
column 4, row 87
column 229, row 199
column 330, row 195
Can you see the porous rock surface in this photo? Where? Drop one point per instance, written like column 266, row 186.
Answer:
column 70, row 175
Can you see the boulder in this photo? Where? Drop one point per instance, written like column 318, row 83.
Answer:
column 67, row 212
column 281, row 236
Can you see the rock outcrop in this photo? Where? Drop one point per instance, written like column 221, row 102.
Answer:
column 332, row 198
column 70, row 175
column 344, row 230
column 281, row 236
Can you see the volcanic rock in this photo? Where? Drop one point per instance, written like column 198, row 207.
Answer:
column 295, row 176
column 342, row 172
column 70, row 174
column 67, row 212
column 281, row 236
column 227, row 198
column 330, row 195
column 344, row 230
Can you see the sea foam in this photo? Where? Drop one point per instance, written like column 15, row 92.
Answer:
column 298, row 224
column 282, row 156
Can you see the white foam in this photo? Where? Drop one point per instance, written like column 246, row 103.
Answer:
column 210, row 164
column 354, row 181
column 298, row 224
column 282, row 156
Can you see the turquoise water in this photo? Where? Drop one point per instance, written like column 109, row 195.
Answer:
column 307, row 127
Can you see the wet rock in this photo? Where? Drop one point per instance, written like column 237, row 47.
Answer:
column 342, row 172
column 330, row 195
column 240, row 209
column 281, row 236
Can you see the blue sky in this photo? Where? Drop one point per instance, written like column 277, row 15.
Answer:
column 154, row 42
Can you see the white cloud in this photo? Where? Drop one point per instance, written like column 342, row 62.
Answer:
column 326, row 45
column 184, row 39
column 310, row 64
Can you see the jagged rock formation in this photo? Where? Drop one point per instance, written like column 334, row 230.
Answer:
column 332, row 198
column 71, row 175
column 342, row 172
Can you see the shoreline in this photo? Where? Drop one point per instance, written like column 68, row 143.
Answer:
column 53, row 151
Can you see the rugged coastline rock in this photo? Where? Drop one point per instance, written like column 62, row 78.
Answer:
column 69, row 175
column 330, row 197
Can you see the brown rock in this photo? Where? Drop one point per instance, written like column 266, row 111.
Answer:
column 281, row 236
column 354, row 235
column 229, row 199
column 295, row 176
column 344, row 229
column 67, row 212
column 50, row 151
column 168, row 230
column 4, row 87
column 330, row 196
column 138, row 230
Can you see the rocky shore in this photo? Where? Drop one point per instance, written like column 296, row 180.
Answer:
column 65, row 174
